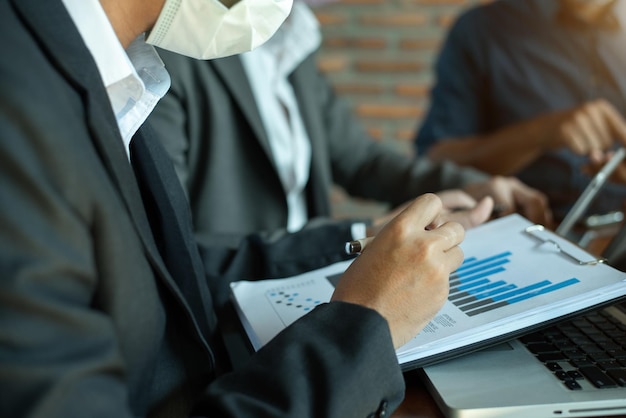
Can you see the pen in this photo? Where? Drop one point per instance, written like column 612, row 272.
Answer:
column 357, row 246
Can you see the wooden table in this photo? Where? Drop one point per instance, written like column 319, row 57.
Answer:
column 417, row 403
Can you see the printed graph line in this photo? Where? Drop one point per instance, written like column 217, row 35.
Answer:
column 474, row 290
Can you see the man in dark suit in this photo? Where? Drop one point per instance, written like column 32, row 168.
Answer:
column 104, row 308
column 229, row 125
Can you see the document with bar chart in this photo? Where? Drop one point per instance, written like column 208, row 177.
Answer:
column 515, row 276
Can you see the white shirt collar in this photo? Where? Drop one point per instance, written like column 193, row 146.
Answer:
column 295, row 40
column 135, row 79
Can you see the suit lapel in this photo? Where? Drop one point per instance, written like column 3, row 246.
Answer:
column 232, row 72
column 45, row 18
column 235, row 79
column 73, row 59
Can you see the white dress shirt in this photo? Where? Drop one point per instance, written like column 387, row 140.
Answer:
column 268, row 68
column 135, row 79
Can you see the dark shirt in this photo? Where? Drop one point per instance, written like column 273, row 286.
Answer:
column 512, row 60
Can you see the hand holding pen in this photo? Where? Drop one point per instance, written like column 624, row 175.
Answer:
column 403, row 274
column 468, row 217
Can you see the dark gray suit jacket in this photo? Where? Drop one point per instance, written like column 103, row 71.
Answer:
column 210, row 125
column 91, row 322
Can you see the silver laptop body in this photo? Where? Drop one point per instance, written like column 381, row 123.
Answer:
column 509, row 381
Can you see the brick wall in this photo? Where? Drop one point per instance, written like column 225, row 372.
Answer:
column 379, row 55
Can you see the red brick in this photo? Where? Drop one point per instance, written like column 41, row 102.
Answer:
column 358, row 88
column 412, row 90
column 353, row 42
column 392, row 111
column 446, row 20
column 388, row 66
column 394, row 19
column 424, row 43
column 328, row 19
column 332, row 63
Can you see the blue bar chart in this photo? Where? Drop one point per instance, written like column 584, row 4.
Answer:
column 475, row 287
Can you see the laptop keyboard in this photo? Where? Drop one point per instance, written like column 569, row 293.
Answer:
column 589, row 348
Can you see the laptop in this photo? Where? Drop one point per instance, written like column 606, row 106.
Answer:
column 560, row 371
column 575, row 368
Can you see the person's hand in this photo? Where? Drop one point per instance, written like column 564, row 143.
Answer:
column 511, row 195
column 379, row 222
column 588, row 129
column 469, row 217
column 403, row 272
column 457, row 206
column 596, row 164
column 455, row 199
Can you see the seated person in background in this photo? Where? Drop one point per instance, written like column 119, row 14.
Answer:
column 535, row 89
column 258, row 140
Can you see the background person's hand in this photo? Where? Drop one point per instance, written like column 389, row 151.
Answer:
column 468, row 216
column 457, row 206
column 511, row 195
column 455, row 199
column 403, row 272
column 589, row 129
column 595, row 164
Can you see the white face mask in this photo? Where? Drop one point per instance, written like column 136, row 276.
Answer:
column 206, row 29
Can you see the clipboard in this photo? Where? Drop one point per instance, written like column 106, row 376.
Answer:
column 516, row 277
column 540, row 233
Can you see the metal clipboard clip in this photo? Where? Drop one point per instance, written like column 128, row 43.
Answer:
column 535, row 232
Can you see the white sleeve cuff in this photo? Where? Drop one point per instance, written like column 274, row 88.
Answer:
column 358, row 230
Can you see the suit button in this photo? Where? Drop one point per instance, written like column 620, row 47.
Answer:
column 382, row 410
